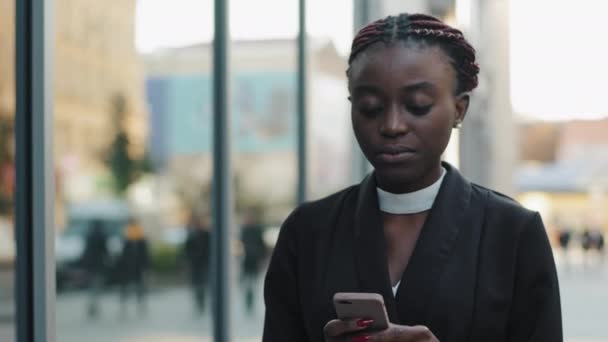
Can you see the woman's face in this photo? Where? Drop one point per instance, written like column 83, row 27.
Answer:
column 403, row 112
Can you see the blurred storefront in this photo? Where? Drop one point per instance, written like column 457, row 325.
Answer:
column 563, row 173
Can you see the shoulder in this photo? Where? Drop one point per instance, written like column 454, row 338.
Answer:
column 509, row 231
column 314, row 215
column 330, row 203
column 504, row 212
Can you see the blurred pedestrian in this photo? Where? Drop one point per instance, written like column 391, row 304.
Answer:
column 254, row 253
column 586, row 245
column 564, row 237
column 596, row 238
column 197, row 253
column 95, row 259
column 133, row 266
column 600, row 246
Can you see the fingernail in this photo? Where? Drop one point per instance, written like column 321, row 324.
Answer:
column 360, row 338
column 364, row 323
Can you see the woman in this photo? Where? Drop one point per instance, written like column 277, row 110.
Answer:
column 454, row 261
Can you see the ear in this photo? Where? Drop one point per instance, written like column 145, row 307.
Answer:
column 462, row 105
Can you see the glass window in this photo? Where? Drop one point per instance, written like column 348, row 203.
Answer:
column 133, row 169
column 264, row 130
column 7, row 175
column 264, row 106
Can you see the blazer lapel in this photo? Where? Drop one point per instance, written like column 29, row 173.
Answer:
column 433, row 248
column 370, row 247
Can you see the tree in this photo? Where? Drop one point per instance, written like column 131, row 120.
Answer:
column 124, row 168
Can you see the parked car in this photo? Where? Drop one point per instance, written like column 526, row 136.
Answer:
column 70, row 242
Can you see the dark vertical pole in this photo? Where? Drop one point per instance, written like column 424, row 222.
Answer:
column 35, row 288
column 362, row 14
column 23, row 158
column 222, row 176
column 302, row 95
column 362, row 17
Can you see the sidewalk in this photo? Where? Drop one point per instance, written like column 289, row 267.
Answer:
column 170, row 318
column 584, row 295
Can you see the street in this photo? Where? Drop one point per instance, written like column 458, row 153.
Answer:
column 170, row 316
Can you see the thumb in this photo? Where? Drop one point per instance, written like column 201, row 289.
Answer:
column 339, row 327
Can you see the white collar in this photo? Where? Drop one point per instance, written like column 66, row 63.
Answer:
column 412, row 202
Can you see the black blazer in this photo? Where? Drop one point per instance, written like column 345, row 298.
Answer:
column 482, row 269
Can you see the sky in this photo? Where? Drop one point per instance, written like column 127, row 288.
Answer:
column 178, row 22
column 559, row 58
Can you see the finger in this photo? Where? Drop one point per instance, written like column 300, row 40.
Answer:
column 422, row 333
column 338, row 327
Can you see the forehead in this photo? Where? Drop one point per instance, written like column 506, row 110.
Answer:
column 399, row 64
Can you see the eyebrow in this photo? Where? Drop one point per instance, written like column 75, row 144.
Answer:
column 368, row 88
column 418, row 86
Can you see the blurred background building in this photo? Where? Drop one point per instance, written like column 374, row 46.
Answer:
column 563, row 172
column 263, row 92
column 7, row 106
column 96, row 64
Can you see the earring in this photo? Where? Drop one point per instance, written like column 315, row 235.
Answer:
column 457, row 123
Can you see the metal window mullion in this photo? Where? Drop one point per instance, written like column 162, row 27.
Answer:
column 35, row 290
column 362, row 16
column 222, row 176
column 301, row 106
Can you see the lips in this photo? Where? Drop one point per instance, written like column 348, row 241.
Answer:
column 395, row 154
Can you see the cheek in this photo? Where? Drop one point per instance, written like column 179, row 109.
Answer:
column 359, row 133
column 436, row 132
column 363, row 131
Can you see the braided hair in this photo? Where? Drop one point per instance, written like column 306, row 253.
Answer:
column 425, row 29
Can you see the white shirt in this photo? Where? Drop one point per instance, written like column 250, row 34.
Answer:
column 396, row 287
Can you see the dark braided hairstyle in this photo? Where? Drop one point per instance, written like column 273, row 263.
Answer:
column 426, row 29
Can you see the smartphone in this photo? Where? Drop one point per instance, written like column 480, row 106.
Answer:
column 351, row 305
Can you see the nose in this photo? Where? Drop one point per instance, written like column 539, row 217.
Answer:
column 393, row 123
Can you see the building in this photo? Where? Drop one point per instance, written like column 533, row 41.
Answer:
column 571, row 189
column 263, row 108
column 95, row 61
column 7, row 48
column 98, row 41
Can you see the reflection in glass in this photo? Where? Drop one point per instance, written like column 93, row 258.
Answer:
column 7, row 174
column 132, row 182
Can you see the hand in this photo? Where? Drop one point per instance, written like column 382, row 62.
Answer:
column 354, row 331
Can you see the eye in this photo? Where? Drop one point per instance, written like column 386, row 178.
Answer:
column 369, row 105
column 371, row 111
column 419, row 110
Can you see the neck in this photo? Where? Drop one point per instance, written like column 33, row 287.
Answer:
column 426, row 180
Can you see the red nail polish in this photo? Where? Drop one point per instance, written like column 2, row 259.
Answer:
column 360, row 338
column 364, row 323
